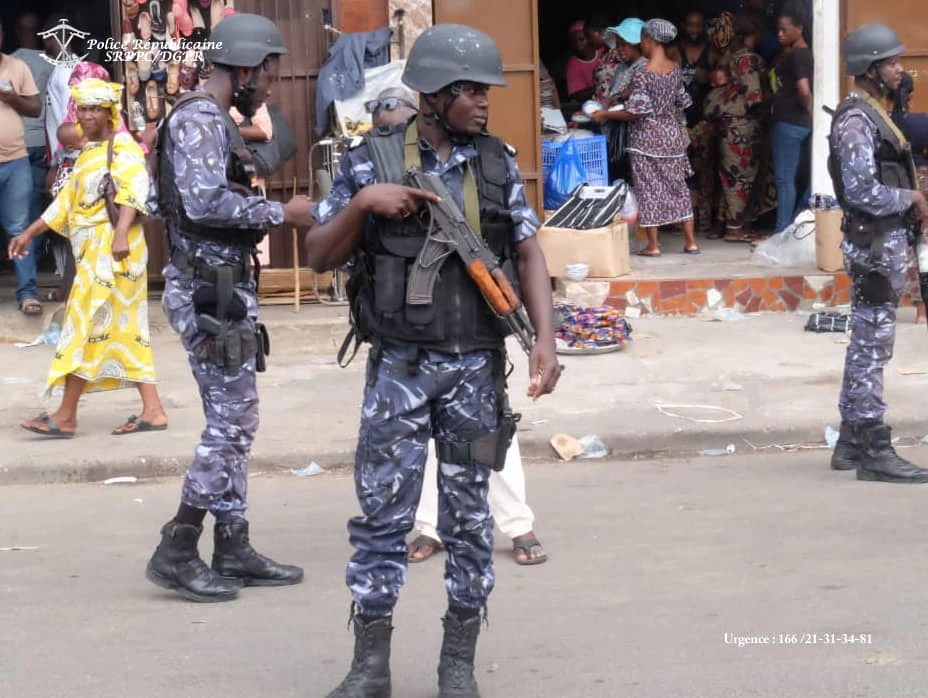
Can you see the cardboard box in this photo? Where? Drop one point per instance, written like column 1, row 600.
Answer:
column 606, row 249
column 828, row 236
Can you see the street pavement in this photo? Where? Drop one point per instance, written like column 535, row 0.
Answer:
column 656, row 568
column 757, row 383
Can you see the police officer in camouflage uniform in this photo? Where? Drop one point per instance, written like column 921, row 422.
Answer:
column 215, row 217
column 870, row 166
column 433, row 370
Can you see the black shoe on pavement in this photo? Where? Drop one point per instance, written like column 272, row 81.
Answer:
column 879, row 461
column 846, row 455
column 370, row 669
column 234, row 557
column 456, row 666
column 176, row 565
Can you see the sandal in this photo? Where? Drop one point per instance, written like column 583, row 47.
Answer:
column 424, row 547
column 31, row 307
column 134, row 425
column 648, row 253
column 51, row 431
column 690, row 250
column 714, row 235
column 527, row 550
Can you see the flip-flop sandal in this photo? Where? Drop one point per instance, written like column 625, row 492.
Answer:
column 691, row 250
column 528, row 544
column 422, row 543
column 52, row 432
column 140, row 425
column 31, row 307
column 646, row 253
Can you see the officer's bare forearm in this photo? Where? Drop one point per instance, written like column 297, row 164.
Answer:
column 329, row 245
column 536, row 289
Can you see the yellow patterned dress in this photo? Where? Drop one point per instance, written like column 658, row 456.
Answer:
column 105, row 337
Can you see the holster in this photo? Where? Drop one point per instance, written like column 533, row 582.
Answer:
column 491, row 448
column 872, row 285
column 229, row 344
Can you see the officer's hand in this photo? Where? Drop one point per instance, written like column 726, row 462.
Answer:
column 394, row 201
column 921, row 205
column 543, row 370
column 298, row 211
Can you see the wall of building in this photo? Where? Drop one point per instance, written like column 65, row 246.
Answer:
column 417, row 18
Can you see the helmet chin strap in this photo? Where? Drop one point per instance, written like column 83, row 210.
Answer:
column 456, row 136
column 242, row 93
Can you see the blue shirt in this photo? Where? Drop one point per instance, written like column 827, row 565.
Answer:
column 200, row 148
column 857, row 141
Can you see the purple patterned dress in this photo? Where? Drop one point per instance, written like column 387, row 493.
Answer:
column 657, row 147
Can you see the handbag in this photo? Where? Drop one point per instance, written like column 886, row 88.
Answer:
column 270, row 156
column 108, row 186
column 617, row 142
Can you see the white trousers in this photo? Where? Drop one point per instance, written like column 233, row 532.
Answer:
column 507, row 496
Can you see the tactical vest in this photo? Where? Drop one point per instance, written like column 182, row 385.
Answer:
column 895, row 168
column 458, row 319
column 239, row 172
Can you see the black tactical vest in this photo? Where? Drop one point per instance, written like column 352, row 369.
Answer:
column 239, row 172
column 894, row 169
column 458, row 319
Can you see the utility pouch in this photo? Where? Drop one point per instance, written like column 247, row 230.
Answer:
column 263, row 347
column 228, row 345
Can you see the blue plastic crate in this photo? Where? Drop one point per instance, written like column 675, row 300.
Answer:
column 592, row 153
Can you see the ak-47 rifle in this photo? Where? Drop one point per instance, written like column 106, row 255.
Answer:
column 450, row 233
column 921, row 244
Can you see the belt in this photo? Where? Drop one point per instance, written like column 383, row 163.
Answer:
column 191, row 266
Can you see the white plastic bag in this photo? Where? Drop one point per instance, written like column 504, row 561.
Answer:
column 792, row 247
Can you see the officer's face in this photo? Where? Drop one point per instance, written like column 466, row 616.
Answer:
column 471, row 109
column 891, row 71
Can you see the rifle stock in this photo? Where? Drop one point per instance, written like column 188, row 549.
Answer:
column 450, row 233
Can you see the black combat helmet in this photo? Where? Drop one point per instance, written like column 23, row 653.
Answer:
column 871, row 43
column 449, row 53
column 244, row 41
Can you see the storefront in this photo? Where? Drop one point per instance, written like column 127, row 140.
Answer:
column 517, row 27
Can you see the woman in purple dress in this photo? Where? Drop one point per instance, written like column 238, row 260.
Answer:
column 657, row 139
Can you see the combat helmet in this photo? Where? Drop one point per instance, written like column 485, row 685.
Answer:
column 871, row 43
column 448, row 53
column 244, row 41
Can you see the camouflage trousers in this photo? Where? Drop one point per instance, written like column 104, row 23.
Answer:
column 217, row 479
column 873, row 333
column 408, row 399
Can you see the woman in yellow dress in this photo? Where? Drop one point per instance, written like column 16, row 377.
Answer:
column 105, row 340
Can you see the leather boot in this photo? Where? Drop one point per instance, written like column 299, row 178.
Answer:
column 176, row 565
column 234, row 557
column 880, row 462
column 456, row 666
column 846, row 455
column 370, row 669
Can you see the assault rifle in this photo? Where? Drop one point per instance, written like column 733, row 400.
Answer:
column 450, row 233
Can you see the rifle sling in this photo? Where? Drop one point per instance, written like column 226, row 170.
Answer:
column 413, row 157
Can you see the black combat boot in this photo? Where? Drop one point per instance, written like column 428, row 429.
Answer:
column 879, row 460
column 370, row 669
column 176, row 564
column 456, row 666
column 234, row 557
column 846, row 455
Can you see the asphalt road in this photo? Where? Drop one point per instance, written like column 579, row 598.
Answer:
column 656, row 570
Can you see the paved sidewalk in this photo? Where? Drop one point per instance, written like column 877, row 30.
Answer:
column 775, row 384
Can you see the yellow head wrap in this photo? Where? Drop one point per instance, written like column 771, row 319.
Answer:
column 94, row 92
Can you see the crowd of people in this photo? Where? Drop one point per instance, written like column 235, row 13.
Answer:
column 711, row 121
